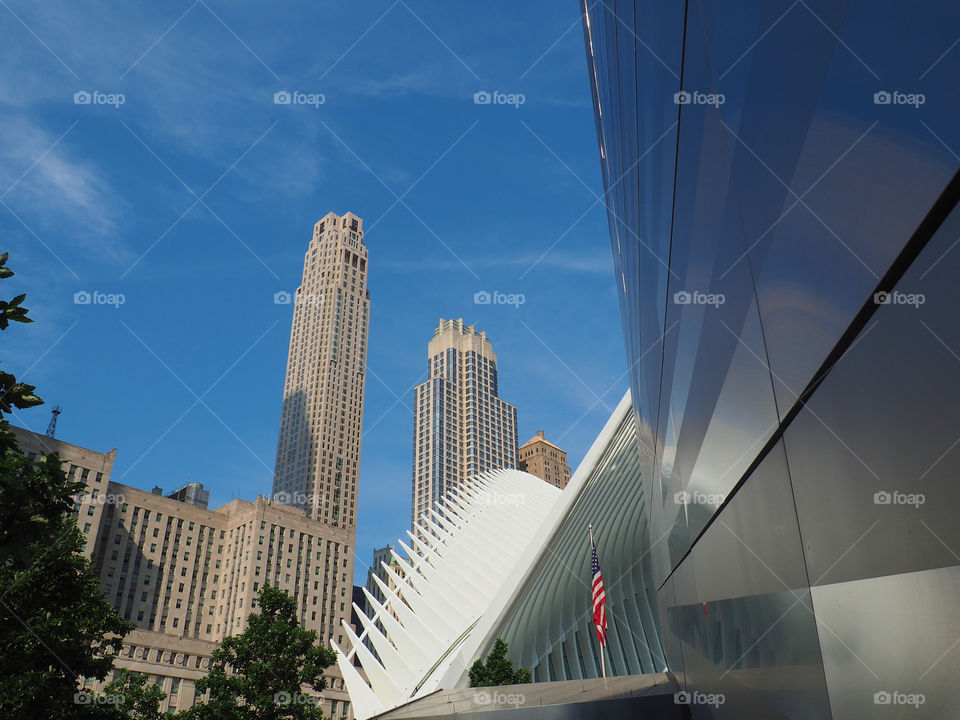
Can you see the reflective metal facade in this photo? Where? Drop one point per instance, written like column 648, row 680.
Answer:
column 781, row 187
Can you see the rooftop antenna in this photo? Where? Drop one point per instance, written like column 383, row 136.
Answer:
column 52, row 427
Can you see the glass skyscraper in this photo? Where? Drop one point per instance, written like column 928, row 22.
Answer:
column 462, row 426
column 781, row 185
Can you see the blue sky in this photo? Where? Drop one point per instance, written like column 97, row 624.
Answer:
column 195, row 199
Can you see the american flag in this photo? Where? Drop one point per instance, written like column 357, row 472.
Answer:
column 599, row 597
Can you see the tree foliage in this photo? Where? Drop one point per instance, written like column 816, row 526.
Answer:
column 497, row 669
column 54, row 624
column 13, row 394
column 258, row 675
column 129, row 696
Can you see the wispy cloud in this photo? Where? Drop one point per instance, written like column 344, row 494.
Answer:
column 420, row 82
column 52, row 183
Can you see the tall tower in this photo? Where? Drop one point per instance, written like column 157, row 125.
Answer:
column 461, row 426
column 318, row 452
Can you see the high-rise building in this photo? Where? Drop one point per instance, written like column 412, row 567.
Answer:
column 318, row 452
column 188, row 576
column 461, row 425
column 376, row 572
column 380, row 556
column 538, row 456
column 192, row 494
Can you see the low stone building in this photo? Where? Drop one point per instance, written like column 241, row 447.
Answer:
column 188, row 577
column 538, row 456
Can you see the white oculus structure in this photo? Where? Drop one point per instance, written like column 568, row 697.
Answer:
column 463, row 556
column 481, row 562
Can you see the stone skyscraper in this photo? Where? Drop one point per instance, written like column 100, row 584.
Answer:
column 538, row 456
column 461, row 426
column 318, row 452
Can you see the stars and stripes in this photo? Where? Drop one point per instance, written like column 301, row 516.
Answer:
column 599, row 597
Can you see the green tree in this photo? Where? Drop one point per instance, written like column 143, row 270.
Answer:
column 13, row 394
column 258, row 674
column 129, row 696
column 497, row 670
column 54, row 624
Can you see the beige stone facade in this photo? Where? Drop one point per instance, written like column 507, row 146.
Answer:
column 187, row 577
column 318, row 451
column 461, row 425
column 540, row 457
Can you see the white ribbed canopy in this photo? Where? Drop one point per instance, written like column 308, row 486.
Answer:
column 457, row 564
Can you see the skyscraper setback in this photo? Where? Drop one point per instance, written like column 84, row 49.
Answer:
column 318, row 452
column 461, row 425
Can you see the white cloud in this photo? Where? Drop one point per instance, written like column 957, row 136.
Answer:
column 50, row 185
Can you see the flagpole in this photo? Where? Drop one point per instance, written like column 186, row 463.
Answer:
column 603, row 663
